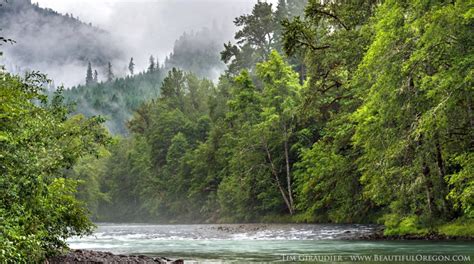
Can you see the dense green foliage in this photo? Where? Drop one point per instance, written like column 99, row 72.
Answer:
column 381, row 130
column 115, row 100
column 259, row 33
column 415, row 123
column 38, row 142
column 399, row 119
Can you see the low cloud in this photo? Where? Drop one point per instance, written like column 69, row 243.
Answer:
column 135, row 29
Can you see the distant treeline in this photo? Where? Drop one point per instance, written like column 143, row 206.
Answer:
column 115, row 98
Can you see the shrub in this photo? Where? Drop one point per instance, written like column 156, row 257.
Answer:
column 38, row 141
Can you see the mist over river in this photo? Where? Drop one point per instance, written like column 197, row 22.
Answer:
column 259, row 242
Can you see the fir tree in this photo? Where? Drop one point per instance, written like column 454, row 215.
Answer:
column 131, row 66
column 110, row 74
column 96, row 75
column 157, row 64
column 152, row 65
column 89, row 78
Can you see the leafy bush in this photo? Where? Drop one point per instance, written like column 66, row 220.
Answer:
column 38, row 208
column 407, row 225
column 460, row 227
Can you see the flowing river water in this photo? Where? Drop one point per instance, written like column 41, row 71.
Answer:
column 268, row 243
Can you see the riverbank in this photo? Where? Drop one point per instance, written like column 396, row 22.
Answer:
column 376, row 233
column 407, row 228
column 432, row 236
column 91, row 256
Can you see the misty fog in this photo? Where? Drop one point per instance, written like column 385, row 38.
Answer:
column 114, row 30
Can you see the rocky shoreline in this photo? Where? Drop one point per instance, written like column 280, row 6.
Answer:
column 80, row 256
column 433, row 237
column 379, row 235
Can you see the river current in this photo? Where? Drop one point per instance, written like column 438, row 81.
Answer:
column 268, row 243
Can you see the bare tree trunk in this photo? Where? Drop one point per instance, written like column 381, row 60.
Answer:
column 302, row 71
column 442, row 173
column 470, row 117
column 288, row 172
column 425, row 171
column 429, row 185
column 277, row 180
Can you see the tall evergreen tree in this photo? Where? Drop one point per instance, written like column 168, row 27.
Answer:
column 152, row 65
column 157, row 64
column 96, row 76
column 255, row 39
column 131, row 66
column 89, row 77
column 110, row 74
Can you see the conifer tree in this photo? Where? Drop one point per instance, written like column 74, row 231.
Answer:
column 152, row 65
column 89, row 78
column 110, row 74
column 131, row 66
column 157, row 64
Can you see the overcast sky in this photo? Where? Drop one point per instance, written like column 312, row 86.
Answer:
column 151, row 26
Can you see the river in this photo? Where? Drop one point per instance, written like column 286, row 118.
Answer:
column 267, row 243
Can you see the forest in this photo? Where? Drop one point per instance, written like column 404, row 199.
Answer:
column 117, row 97
column 327, row 112
column 361, row 117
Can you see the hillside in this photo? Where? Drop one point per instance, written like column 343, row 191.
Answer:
column 196, row 52
column 115, row 100
column 57, row 44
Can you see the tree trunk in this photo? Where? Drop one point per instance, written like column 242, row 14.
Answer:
column 429, row 186
column 425, row 170
column 288, row 172
column 277, row 180
column 442, row 173
column 302, row 73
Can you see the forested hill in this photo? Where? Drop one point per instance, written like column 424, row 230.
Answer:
column 54, row 43
column 198, row 52
column 114, row 94
column 116, row 98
